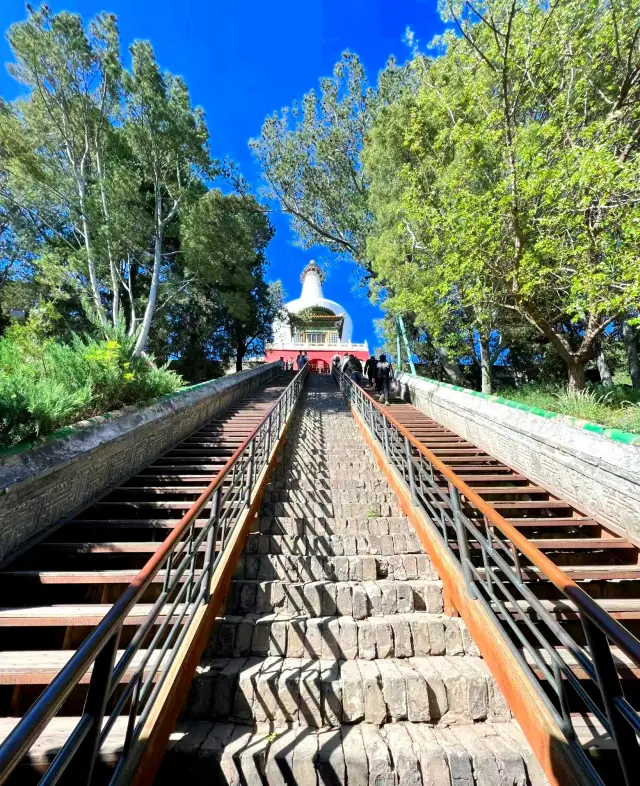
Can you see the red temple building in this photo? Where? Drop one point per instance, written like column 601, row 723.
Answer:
column 317, row 326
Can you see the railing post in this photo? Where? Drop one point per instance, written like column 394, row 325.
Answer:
column 412, row 480
column 567, row 727
column 212, row 536
column 252, row 453
column 279, row 421
column 214, row 518
column 167, row 572
column 385, row 436
column 133, row 712
column 194, row 557
column 268, row 425
column 461, row 537
column 81, row 770
column 622, row 732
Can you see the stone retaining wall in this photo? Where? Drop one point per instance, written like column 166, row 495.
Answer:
column 597, row 474
column 42, row 486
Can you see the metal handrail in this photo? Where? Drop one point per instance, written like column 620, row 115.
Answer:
column 186, row 587
column 499, row 584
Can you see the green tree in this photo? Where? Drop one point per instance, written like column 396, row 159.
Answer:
column 310, row 157
column 249, row 325
column 630, row 338
column 509, row 183
column 99, row 163
column 225, row 238
column 54, row 139
column 169, row 141
column 559, row 87
column 429, row 247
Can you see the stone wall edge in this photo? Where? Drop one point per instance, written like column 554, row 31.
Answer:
column 48, row 485
column 601, row 477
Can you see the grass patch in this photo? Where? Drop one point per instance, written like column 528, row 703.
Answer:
column 617, row 407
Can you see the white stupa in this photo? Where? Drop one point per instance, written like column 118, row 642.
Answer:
column 321, row 326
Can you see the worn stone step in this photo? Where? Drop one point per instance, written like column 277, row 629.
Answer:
column 326, row 598
column 353, row 492
column 327, row 692
column 338, row 484
column 404, row 754
column 338, row 463
column 322, row 526
column 361, row 459
column 334, row 545
column 309, row 508
column 344, row 638
column 361, row 567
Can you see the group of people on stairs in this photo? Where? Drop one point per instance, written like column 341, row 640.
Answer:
column 379, row 372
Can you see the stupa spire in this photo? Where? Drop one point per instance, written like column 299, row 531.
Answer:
column 312, row 278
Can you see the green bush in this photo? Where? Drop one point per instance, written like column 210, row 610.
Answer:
column 45, row 385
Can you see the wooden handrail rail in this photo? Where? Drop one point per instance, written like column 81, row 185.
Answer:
column 617, row 633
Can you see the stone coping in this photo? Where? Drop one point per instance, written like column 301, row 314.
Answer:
column 38, row 458
column 617, row 435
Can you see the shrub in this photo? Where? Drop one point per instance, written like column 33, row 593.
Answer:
column 45, row 385
column 585, row 404
column 614, row 407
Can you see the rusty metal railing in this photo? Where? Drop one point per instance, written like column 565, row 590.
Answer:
column 186, row 588
column 494, row 559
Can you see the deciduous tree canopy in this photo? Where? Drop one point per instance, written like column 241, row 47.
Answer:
column 109, row 219
column 491, row 187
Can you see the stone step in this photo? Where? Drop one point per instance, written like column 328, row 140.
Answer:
column 336, row 509
column 312, row 526
column 337, row 448
column 334, row 545
column 402, row 754
column 337, row 454
column 393, row 636
column 327, row 598
column 353, row 467
column 328, row 692
column 322, row 495
column 369, row 567
column 298, row 480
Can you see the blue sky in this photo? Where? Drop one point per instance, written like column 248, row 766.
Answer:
column 243, row 59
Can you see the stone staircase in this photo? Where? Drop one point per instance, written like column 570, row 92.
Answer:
column 334, row 662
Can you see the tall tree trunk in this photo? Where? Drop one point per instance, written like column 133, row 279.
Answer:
column 603, row 367
column 130, row 290
column 486, row 365
column 115, row 282
column 575, row 367
column 575, row 359
column 155, row 279
column 451, row 367
column 630, row 336
column 91, row 262
column 240, row 349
